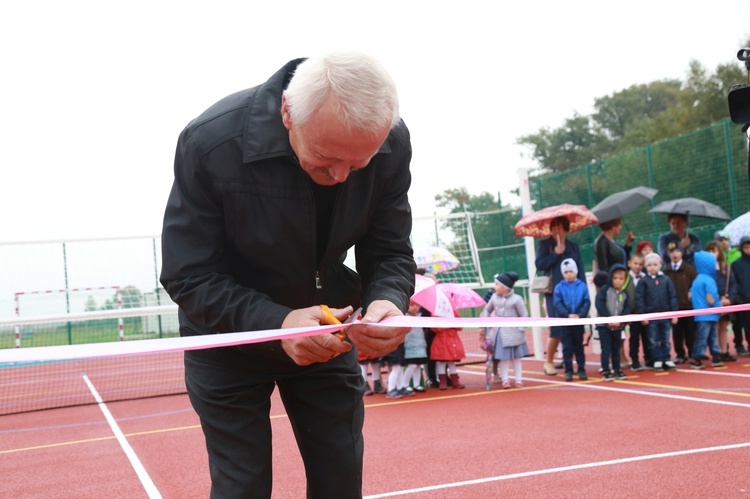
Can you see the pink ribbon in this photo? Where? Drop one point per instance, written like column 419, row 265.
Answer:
column 119, row 348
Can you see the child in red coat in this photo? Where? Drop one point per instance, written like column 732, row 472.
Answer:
column 446, row 350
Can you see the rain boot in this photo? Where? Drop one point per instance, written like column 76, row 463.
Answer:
column 455, row 381
column 378, row 387
column 443, row 380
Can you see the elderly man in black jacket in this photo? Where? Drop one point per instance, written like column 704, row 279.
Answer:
column 273, row 185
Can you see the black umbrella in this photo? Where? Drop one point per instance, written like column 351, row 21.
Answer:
column 619, row 204
column 691, row 206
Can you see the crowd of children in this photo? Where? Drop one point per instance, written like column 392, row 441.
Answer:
column 644, row 286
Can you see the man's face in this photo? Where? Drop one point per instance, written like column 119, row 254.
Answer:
column 677, row 224
column 636, row 264
column 327, row 150
column 653, row 267
column 570, row 276
column 675, row 255
column 618, row 279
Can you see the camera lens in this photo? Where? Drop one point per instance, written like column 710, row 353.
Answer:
column 743, row 54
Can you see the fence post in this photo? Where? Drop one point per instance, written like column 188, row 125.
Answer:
column 535, row 309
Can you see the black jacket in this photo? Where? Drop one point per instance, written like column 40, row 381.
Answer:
column 239, row 236
column 655, row 294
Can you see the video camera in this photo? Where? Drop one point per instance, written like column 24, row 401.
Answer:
column 739, row 96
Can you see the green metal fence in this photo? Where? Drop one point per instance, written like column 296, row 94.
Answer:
column 709, row 164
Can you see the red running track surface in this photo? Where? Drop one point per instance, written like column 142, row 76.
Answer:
column 681, row 433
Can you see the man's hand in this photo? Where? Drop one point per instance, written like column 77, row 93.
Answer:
column 375, row 341
column 311, row 349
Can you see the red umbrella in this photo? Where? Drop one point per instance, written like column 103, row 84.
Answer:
column 537, row 224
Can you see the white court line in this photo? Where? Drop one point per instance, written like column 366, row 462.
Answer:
column 641, row 392
column 145, row 479
column 560, row 469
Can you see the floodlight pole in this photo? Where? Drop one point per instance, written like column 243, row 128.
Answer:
column 535, row 309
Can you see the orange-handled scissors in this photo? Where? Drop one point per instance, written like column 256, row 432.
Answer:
column 327, row 318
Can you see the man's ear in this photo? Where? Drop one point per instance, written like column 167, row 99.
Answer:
column 285, row 116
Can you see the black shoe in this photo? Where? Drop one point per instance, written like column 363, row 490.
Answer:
column 716, row 362
column 636, row 367
column 680, row 360
column 608, row 376
column 726, row 357
column 741, row 350
column 568, row 376
column 620, row 375
column 696, row 364
column 582, row 375
column 705, row 357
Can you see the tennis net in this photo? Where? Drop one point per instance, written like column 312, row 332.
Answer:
column 32, row 386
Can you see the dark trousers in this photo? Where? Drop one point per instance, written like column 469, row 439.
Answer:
column 639, row 337
column 683, row 337
column 741, row 322
column 572, row 342
column 231, row 393
column 431, row 374
column 611, row 340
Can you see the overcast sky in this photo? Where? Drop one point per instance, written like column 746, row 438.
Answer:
column 94, row 94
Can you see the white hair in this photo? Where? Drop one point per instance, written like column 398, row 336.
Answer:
column 359, row 87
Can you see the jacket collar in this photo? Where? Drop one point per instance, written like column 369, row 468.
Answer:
column 264, row 134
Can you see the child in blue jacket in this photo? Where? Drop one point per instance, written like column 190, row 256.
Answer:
column 705, row 294
column 571, row 299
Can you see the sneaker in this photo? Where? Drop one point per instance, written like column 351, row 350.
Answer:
column 636, row 367
column 649, row 366
column 608, row 376
column 602, row 370
column 393, row 394
column 620, row 375
column 705, row 357
column 419, row 388
column 582, row 375
column 716, row 362
column 506, row 384
column 406, row 391
column 728, row 358
column 680, row 360
column 518, row 384
column 568, row 376
column 741, row 350
column 696, row 364
column 670, row 365
column 658, row 366
column 378, row 387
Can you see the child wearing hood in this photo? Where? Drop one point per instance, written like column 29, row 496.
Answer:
column 508, row 343
column 571, row 299
column 705, row 294
column 612, row 300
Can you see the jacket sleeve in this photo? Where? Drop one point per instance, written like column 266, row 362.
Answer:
column 545, row 257
column 521, row 310
column 585, row 302
column 194, row 268
column 601, row 251
column 560, row 309
column 384, row 255
column 732, row 280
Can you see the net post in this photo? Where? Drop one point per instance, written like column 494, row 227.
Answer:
column 120, row 323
